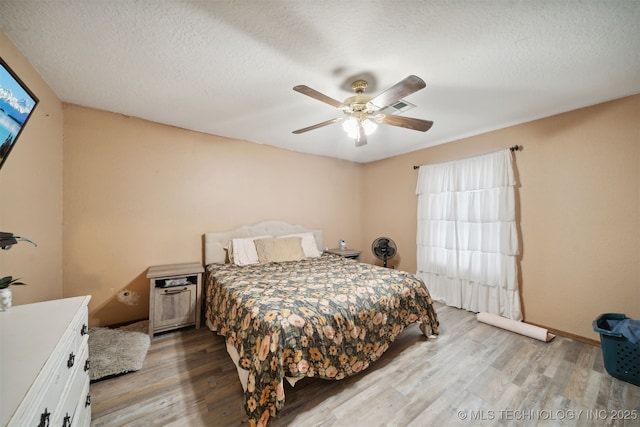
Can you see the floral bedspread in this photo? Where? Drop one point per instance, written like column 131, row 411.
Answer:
column 327, row 317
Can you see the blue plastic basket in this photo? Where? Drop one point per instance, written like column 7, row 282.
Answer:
column 621, row 357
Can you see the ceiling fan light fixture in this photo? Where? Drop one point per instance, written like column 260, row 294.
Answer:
column 369, row 126
column 352, row 128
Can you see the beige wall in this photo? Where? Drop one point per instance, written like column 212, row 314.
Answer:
column 31, row 191
column 579, row 204
column 139, row 193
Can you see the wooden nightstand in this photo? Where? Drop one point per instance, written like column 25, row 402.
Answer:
column 175, row 296
column 347, row 253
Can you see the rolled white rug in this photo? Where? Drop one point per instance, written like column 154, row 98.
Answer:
column 515, row 326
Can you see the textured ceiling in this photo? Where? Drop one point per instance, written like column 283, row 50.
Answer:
column 228, row 67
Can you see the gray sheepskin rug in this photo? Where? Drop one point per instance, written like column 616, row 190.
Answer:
column 117, row 351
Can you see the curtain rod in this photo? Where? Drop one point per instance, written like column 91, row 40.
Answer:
column 514, row 148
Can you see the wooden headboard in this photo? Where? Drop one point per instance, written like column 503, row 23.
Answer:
column 215, row 242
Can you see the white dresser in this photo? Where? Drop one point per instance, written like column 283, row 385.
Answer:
column 44, row 364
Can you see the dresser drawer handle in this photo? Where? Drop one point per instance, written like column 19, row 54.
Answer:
column 83, row 331
column 44, row 418
column 67, row 420
column 88, row 401
column 87, row 365
column 72, row 358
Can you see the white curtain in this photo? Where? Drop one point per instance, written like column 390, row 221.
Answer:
column 467, row 235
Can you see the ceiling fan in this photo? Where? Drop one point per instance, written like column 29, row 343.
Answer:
column 362, row 113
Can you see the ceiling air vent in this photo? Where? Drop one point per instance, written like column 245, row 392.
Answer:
column 398, row 107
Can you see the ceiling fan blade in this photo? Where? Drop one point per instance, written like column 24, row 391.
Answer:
column 306, row 90
column 361, row 139
column 407, row 122
column 319, row 125
column 398, row 91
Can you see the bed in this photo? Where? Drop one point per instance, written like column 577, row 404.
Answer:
column 289, row 311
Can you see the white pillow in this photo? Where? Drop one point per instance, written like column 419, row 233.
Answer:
column 309, row 245
column 244, row 250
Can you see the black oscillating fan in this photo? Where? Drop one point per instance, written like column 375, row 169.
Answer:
column 384, row 248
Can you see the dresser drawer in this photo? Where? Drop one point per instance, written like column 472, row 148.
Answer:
column 82, row 415
column 62, row 377
column 66, row 360
column 55, row 382
column 73, row 395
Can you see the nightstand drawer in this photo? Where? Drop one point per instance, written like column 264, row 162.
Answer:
column 174, row 307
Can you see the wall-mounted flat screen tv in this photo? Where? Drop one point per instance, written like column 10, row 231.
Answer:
column 17, row 103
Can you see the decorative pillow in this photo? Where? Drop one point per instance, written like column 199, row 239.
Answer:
column 309, row 245
column 243, row 251
column 280, row 249
column 229, row 250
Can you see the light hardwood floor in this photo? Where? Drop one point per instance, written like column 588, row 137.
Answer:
column 472, row 374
